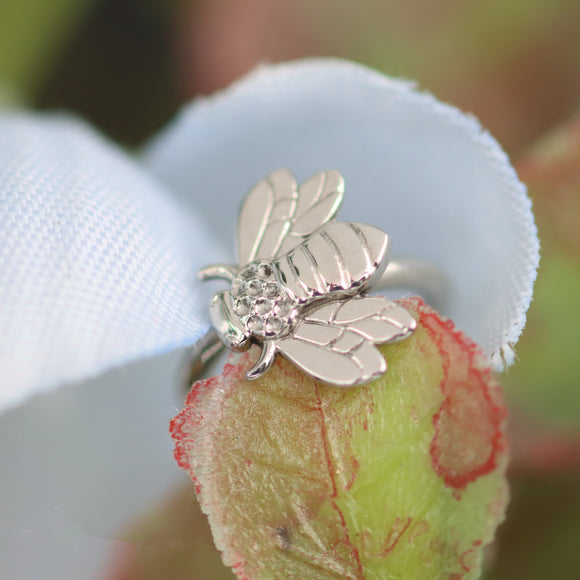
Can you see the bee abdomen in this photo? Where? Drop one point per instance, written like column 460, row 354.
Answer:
column 339, row 257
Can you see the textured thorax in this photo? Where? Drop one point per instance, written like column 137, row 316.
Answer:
column 264, row 307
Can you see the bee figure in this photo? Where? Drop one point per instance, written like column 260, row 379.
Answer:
column 301, row 284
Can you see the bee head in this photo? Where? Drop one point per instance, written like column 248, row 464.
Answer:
column 227, row 323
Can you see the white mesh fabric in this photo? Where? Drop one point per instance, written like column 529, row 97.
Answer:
column 424, row 172
column 97, row 261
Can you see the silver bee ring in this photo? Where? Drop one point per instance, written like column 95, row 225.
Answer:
column 302, row 282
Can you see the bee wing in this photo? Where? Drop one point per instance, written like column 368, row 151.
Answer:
column 338, row 258
column 376, row 318
column 276, row 215
column 333, row 354
column 319, row 199
column 334, row 343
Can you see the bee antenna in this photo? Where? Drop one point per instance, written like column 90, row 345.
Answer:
column 217, row 271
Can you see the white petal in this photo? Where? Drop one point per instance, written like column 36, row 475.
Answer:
column 426, row 173
column 80, row 463
column 97, row 261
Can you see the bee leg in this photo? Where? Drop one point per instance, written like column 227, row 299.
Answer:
column 213, row 271
column 264, row 362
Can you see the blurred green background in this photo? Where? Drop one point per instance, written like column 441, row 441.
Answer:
column 128, row 65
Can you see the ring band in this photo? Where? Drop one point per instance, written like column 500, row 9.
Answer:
column 419, row 277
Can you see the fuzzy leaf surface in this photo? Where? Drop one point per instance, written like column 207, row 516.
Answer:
column 401, row 478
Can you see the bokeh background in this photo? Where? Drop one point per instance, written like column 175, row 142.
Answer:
column 129, row 65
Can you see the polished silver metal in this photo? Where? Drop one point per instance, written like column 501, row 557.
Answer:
column 423, row 279
column 419, row 277
column 301, row 286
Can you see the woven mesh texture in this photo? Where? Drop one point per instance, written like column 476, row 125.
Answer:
column 97, row 262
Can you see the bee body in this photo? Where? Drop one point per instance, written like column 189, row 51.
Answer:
column 301, row 286
column 264, row 306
